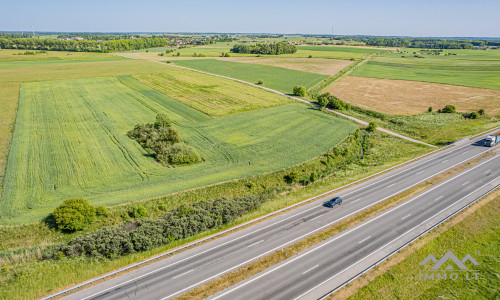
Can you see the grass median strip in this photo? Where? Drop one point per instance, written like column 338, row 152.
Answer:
column 268, row 261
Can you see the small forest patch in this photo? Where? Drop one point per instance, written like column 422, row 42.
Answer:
column 164, row 142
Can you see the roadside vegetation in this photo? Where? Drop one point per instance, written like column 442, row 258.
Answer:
column 267, row 49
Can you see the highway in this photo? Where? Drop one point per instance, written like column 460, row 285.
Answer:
column 326, row 266
column 179, row 273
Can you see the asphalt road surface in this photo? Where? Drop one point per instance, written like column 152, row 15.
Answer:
column 179, row 273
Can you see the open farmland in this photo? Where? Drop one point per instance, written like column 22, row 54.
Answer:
column 212, row 95
column 9, row 92
column 78, row 69
column 280, row 79
column 404, row 97
column 312, row 65
column 70, row 141
column 467, row 68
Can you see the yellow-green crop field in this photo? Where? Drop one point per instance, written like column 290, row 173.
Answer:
column 70, row 141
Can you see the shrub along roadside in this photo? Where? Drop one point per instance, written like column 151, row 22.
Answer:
column 145, row 234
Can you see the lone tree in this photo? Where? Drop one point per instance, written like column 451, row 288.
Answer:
column 481, row 111
column 371, row 127
column 74, row 214
column 430, row 109
column 299, row 91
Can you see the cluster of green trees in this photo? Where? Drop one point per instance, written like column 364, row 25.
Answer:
column 330, row 101
column 269, row 49
column 164, row 142
column 145, row 234
column 428, row 43
column 83, row 45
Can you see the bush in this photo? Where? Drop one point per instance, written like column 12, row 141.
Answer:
column 142, row 235
column 474, row 115
column 372, row 127
column 138, row 212
column 74, row 214
column 449, row 109
column 299, row 91
column 260, row 82
column 101, row 211
column 292, row 177
column 481, row 112
column 430, row 109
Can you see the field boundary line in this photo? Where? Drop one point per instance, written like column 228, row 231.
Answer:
column 249, row 222
column 361, row 122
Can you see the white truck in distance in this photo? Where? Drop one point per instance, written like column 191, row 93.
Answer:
column 492, row 140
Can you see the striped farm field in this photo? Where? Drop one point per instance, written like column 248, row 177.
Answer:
column 472, row 68
column 70, row 141
column 277, row 78
column 212, row 95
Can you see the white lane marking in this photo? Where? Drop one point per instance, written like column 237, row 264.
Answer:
column 413, row 167
column 465, row 183
column 421, row 172
column 316, row 217
column 255, row 243
column 487, row 171
column 345, row 233
column 228, row 242
column 444, row 161
column 183, row 274
column 310, row 269
column 299, row 256
column 331, row 223
column 438, row 198
column 405, row 217
column 355, row 200
column 364, row 239
column 465, row 152
column 391, row 185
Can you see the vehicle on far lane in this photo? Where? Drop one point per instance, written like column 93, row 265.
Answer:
column 333, row 202
column 492, row 140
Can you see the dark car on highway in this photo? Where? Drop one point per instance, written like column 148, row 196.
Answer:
column 333, row 202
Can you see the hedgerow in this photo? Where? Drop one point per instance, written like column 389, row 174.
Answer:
column 146, row 234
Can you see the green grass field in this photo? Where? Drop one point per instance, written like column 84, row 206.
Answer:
column 277, row 78
column 212, row 95
column 472, row 68
column 70, row 141
column 9, row 95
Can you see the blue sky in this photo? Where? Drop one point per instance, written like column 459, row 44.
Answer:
column 348, row 17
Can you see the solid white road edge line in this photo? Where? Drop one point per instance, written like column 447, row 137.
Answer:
column 352, row 229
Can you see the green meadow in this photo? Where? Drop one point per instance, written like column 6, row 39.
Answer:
column 70, row 141
column 473, row 68
column 277, row 78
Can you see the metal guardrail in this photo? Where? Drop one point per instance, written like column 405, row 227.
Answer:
column 409, row 242
column 244, row 224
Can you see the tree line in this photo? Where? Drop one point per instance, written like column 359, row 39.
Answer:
column 82, row 45
column 268, row 49
column 145, row 234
